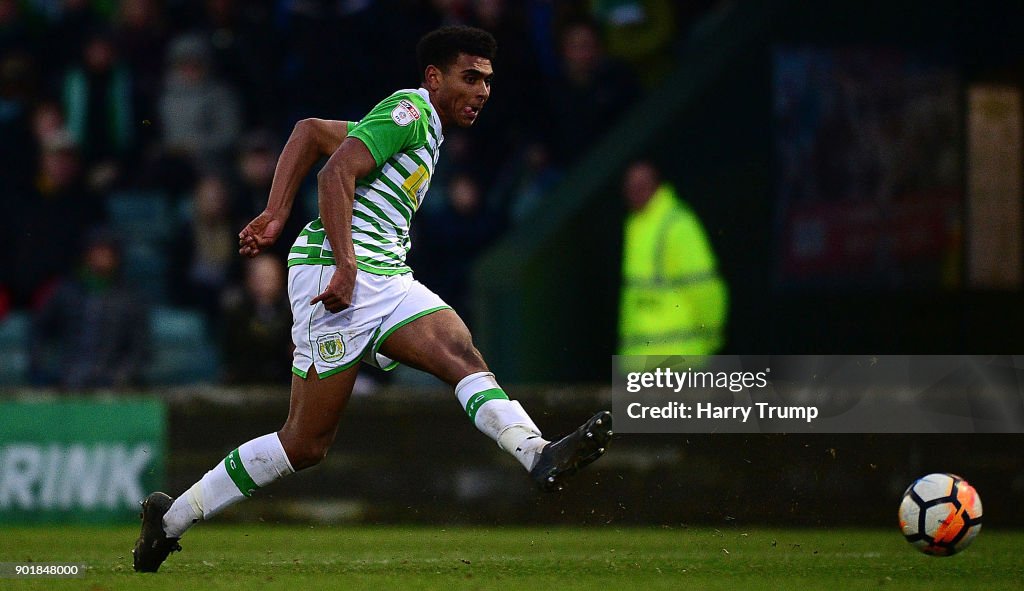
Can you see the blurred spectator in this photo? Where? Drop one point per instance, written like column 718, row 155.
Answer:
column 244, row 49
column 14, row 33
column 20, row 138
column 199, row 114
column 312, row 44
column 515, row 106
column 17, row 94
column 455, row 159
column 141, row 36
column 640, row 33
column 545, row 19
column 69, row 23
column 407, row 21
column 452, row 12
column 47, row 121
column 588, row 96
column 316, row 58
column 257, row 160
column 93, row 332
column 450, row 239
column 208, row 244
column 526, row 183
column 49, row 220
column 100, row 111
column 256, row 344
column 673, row 302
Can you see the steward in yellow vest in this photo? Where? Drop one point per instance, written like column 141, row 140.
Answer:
column 673, row 300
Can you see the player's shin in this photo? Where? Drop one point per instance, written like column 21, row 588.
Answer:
column 499, row 418
column 253, row 465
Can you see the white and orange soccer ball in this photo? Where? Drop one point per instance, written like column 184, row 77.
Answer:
column 940, row 514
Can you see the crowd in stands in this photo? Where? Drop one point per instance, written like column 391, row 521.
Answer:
column 138, row 136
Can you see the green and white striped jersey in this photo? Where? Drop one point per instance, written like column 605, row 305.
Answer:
column 403, row 133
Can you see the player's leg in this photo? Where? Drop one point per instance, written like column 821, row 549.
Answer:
column 440, row 344
column 315, row 408
column 313, row 415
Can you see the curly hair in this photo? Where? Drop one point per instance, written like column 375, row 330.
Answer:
column 441, row 47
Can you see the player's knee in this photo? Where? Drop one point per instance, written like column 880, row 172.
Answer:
column 309, row 455
column 305, row 452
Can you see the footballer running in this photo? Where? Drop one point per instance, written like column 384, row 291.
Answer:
column 354, row 299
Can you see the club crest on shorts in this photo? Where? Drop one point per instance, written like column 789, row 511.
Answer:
column 405, row 113
column 330, row 347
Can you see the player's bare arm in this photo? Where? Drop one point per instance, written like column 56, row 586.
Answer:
column 337, row 187
column 310, row 140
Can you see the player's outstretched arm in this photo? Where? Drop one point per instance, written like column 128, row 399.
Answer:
column 310, row 140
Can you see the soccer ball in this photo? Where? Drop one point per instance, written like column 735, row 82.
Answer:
column 940, row 514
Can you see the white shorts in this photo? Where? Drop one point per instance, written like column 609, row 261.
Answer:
column 335, row 342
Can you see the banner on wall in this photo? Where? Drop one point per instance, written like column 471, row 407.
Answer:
column 79, row 460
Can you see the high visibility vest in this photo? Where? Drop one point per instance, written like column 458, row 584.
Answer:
column 673, row 300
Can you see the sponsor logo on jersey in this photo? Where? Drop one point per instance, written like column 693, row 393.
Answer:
column 330, row 347
column 405, row 113
column 416, row 185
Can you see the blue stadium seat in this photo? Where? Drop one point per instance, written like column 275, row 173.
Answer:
column 140, row 216
column 143, row 221
column 182, row 351
column 145, row 268
column 14, row 331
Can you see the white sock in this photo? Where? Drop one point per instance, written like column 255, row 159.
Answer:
column 253, row 465
column 499, row 418
column 524, row 444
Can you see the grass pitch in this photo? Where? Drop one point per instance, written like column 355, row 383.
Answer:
column 322, row 557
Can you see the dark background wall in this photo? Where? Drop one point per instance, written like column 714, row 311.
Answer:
column 407, row 456
column 551, row 293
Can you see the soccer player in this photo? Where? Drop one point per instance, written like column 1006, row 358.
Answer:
column 354, row 299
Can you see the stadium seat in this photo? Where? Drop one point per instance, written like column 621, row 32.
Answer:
column 14, row 330
column 145, row 268
column 144, row 222
column 140, row 216
column 182, row 351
